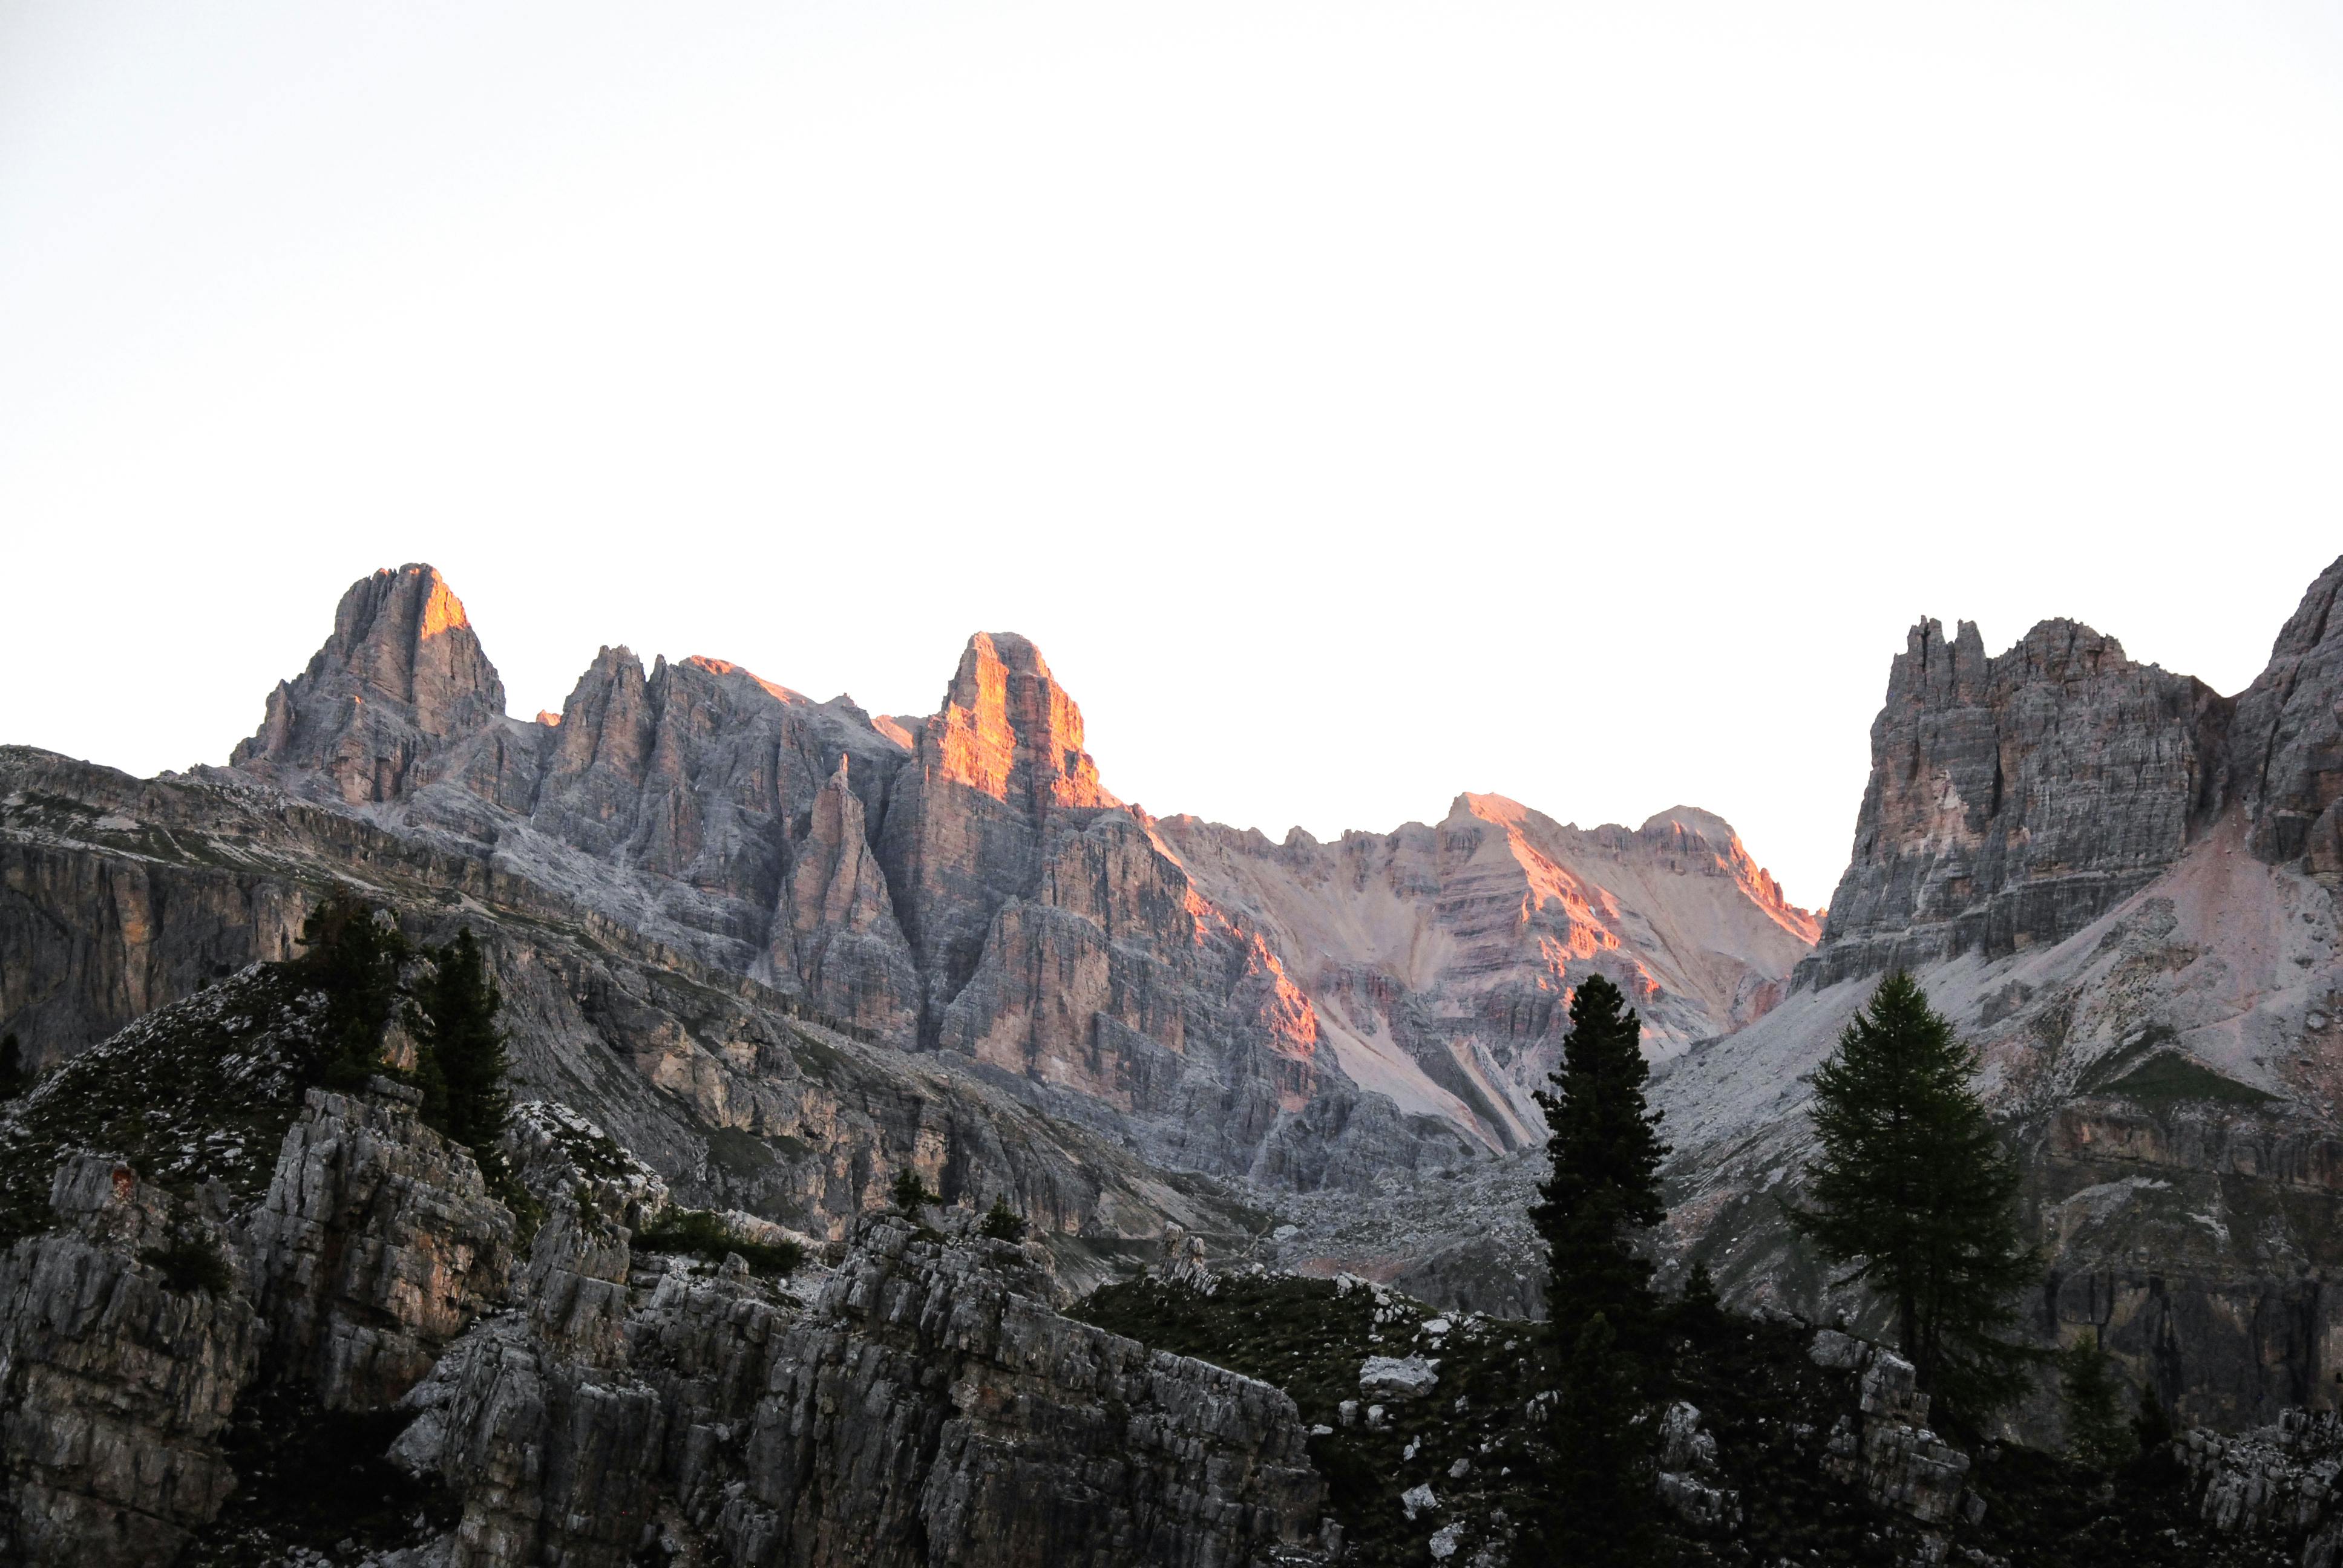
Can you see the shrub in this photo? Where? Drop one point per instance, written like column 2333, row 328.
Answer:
column 703, row 1233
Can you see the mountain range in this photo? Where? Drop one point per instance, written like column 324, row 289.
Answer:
column 770, row 953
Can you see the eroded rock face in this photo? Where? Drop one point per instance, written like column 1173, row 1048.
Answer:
column 400, row 678
column 115, row 1382
column 1439, row 960
column 2285, row 748
column 927, row 1408
column 967, row 883
column 377, row 1245
column 2015, row 799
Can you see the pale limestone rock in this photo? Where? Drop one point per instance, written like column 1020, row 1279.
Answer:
column 378, row 1243
column 1398, row 1377
column 401, row 677
column 923, row 1408
column 114, row 1386
column 836, row 931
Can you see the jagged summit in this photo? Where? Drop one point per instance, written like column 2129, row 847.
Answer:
column 401, row 674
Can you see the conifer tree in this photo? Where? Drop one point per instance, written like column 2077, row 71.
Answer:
column 2097, row 1433
column 1599, row 1510
column 1914, row 1188
column 1001, row 1222
column 911, row 1194
column 1604, row 1329
column 2151, row 1426
column 1604, row 1188
column 352, row 953
column 461, row 1058
column 15, row 1078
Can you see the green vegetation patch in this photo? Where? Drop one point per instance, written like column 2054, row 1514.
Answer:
column 703, row 1233
column 1310, row 1337
column 197, row 1092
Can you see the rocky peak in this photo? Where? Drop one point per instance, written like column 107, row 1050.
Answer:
column 1008, row 729
column 2014, row 800
column 401, row 676
column 2286, row 754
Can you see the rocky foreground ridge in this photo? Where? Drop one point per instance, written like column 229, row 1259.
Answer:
column 493, row 1398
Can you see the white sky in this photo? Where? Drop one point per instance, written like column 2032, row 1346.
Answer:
column 1358, row 402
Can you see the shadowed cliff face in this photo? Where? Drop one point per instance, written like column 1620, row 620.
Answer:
column 2286, row 749
column 922, row 1404
column 2121, row 887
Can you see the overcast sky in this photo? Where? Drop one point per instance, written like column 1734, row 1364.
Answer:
column 1357, row 402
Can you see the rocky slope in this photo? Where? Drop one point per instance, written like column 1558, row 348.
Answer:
column 736, row 1095
column 1442, row 958
column 918, row 1403
column 2121, row 887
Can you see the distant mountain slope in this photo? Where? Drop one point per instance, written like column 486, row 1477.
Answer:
column 1442, row 958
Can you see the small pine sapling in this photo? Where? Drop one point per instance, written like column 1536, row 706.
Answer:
column 2097, row 1433
column 1001, row 1222
column 910, row 1193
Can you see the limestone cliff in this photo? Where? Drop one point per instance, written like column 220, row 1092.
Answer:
column 924, row 1406
column 401, row 678
column 2014, row 800
column 2113, row 880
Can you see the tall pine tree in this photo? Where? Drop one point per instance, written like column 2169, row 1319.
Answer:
column 1914, row 1188
column 352, row 951
column 461, row 1061
column 1604, row 1324
column 1605, row 1188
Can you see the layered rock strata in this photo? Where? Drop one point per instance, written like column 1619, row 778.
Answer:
column 2014, row 800
column 734, row 1095
column 1442, row 959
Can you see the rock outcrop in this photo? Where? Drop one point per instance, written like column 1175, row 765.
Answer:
column 115, row 1378
column 2286, row 746
column 926, row 1407
column 377, row 1245
column 401, row 678
column 2015, row 799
